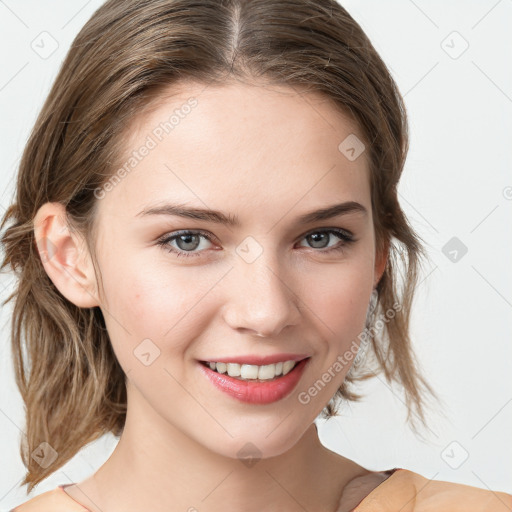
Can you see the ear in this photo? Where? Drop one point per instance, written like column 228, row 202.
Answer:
column 65, row 256
column 381, row 258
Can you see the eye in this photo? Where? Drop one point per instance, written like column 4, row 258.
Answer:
column 188, row 241
column 320, row 239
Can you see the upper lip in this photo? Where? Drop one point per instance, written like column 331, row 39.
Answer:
column 258, row 360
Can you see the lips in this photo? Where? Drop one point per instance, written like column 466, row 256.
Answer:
column 256, row 392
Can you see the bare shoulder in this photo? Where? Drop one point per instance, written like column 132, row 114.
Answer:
column 55, row 500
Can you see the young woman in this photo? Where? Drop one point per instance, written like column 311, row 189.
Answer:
column 209, row 248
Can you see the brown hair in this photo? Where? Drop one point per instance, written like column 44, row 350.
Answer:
column 122, row 59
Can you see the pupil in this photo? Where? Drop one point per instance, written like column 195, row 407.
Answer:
column 314, row 238
column 186, row 239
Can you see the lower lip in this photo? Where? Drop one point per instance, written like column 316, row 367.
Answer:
column 256, row 392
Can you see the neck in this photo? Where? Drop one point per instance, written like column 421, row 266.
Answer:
column 155, row 466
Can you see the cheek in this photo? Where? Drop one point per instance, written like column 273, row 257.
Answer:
column 165, row 303
column 340, row 297
column 170, row 304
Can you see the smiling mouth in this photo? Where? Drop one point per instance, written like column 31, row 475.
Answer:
column 254, row 373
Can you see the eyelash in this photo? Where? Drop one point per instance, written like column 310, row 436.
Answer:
column 166, row 239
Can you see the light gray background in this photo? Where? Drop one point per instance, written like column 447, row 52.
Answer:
column 457, row 183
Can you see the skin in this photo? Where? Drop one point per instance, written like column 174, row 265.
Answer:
column 268, row 155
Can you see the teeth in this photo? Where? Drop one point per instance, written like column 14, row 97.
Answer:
column 264, row 372
column 253, row 372
column 220, row 367
column 247, row 371
column 287, row 366
column 233, row 370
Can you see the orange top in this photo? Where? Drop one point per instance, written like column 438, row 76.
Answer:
column 386, row 491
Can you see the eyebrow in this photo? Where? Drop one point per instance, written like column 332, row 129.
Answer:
column 180, row 210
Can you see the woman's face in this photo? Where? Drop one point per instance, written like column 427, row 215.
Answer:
column 265, row 158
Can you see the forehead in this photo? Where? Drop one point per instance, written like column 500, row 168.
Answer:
column 217, row 144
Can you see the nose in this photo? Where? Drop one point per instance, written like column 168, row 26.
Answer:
column 260, row 299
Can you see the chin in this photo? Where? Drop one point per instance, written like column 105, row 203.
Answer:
column 257, row 442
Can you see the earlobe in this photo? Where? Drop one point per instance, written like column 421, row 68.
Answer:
column 380, row 263
column 64, row 256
